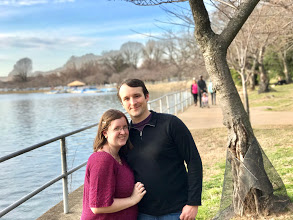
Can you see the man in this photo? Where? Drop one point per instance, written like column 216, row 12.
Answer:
column 202, row 87
column 161, row 145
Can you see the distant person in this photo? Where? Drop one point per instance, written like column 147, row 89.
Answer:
column 194, row 91
column 212, row 91
column 110, row 191
column 202, row 87
column 281, row 81
column 162, row 143
column 205, row 100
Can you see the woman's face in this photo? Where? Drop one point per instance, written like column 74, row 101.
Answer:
column 117, row 133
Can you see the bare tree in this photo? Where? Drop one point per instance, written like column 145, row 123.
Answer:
column 115, row 61
column 153, row 53
column 283, row 50
column 22, row 69
column 183, row 53
column 132, row 53
column 238, row 57
column 284, row 27
column 253, row 192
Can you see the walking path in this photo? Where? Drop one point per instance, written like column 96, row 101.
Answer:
column 194, row 118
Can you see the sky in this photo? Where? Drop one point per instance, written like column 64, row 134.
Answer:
column 49, row 32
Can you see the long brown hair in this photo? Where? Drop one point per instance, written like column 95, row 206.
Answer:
column 105, row 121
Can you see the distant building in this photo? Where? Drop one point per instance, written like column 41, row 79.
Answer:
column 76, row 84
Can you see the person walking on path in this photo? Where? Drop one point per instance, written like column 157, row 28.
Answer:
column 202, row 87
column 162, row 143
column 109, row 189
column 212, row 91
column 194, row 91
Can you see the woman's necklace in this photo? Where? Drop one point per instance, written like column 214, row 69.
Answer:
column 116, row 157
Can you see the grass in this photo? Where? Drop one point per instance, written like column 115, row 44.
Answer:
column 279, row 99
column 275, row 140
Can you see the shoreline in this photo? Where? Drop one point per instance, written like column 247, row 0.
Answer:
column 156, row 86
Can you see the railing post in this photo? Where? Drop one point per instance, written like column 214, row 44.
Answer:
column 186, row 99
column 64, row 171
column 149, row 106
column 175, row 99
column 161, row 108
column 181, row 101
column 190, row 99
column 167, row 102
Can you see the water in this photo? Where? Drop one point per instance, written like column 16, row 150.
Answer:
column 27, row 119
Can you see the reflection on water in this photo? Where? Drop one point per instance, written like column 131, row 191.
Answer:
column 28, row 119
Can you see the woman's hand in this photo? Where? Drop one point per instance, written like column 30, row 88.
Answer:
column 138, row 192
column 123, row 203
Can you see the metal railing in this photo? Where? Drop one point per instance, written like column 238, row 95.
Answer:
column 175, row 100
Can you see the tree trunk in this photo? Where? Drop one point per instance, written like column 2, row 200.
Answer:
column 252, row 81
column 252, row 75
column 250, row 185
column 286, row 67
column 245, row 94
column 263, row 80
column 248, row 193
column 263, row 76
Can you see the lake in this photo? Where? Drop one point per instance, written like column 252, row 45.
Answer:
column 28, row 119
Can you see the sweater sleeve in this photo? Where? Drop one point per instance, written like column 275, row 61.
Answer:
column 187, row 149
column 101, row 181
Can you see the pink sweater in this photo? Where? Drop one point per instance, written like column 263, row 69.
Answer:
column 106, row 179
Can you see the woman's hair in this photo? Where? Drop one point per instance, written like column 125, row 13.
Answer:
column 105, row 121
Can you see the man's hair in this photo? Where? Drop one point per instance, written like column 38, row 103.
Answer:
column 133, row 83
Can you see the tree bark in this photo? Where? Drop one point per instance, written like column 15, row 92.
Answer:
column 285, row 67
column 263, row 76
column 252, row 74
column 244, row 89
column 241, row 139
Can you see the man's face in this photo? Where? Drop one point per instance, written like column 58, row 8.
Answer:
column 134, row 102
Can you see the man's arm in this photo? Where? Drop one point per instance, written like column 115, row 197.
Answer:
column 187, row 149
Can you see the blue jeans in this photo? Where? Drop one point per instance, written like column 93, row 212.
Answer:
column 171, row 216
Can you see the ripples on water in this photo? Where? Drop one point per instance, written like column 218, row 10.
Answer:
column 28, row 119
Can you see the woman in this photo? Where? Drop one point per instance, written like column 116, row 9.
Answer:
column 194, row 91
column 109, row 188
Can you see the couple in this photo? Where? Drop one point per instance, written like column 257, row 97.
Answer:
column 153, row 157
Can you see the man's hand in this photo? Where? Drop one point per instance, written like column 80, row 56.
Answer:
column 189, row 212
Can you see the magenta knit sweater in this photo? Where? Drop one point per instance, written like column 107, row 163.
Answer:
column 106, row 179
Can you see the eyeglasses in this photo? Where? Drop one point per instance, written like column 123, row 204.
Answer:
column 119, row 129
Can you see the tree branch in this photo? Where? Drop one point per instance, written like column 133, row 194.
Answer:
column 225, row 3
column 201, row 20
column 237, row 21
column 152, row 2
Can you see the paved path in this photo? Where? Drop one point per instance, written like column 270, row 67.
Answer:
column 194, row 118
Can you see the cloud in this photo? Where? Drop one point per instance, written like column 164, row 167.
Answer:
column 30, row 42
column 30, row 2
